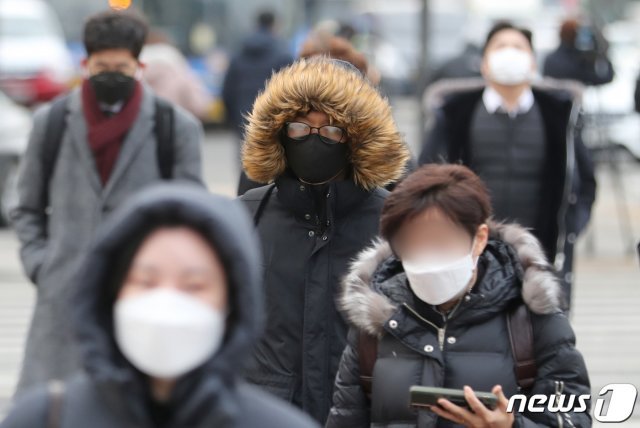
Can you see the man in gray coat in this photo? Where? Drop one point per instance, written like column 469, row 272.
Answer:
column 108, row 148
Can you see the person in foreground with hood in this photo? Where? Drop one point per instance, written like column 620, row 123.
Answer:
column 166, row 309
column 323, row 141
column 435, row 301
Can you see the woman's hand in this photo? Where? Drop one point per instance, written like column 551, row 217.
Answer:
column 481, row 416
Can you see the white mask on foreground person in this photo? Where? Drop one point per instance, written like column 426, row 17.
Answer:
column 166, row 333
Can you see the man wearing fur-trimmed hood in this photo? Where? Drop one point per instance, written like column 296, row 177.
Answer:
column 324, row 143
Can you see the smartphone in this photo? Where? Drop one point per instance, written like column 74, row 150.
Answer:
column 425, row 396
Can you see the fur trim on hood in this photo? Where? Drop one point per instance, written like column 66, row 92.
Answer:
column 369, row 310
column 378, row 152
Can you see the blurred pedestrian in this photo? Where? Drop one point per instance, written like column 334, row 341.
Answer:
column 464, row 65
column 166, row 307
column 168, row 73
column 262, row 53
column 323, row 43
column 323, row 141
column 581, row 55
column 524, row 143
column 87, row 153
column 433, row 304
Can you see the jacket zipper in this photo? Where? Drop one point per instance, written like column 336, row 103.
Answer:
column 559, row 389
column 506, row 191
column 441, row 330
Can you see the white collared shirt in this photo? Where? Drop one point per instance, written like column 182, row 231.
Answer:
column 493, row 101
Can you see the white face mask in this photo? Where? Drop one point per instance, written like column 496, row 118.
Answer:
column 437, row 282
column 166, row 333
column 510, row 66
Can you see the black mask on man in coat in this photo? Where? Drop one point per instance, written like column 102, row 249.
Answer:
column 313, row 161
column 112, row 87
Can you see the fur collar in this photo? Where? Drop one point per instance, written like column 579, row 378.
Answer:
column 369, row 310
column 378, row 152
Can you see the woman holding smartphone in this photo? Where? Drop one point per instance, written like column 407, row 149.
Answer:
column 431, row 304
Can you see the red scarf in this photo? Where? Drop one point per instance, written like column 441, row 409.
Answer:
column 106, row 134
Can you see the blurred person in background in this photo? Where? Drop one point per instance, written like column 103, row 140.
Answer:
column 433, row 304
column 523, row 142
column 166, row 306
column 87, row 153
column 468, row 63
column 581, row 55
column 323, row 141
column 168, row 73
column 261, row 54
column 323, row 42
column 465, row 64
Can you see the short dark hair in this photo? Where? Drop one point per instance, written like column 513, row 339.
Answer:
column 505, row 25
column 115, row 30
column 569, row 31
column 453, row 189
column 266, row 20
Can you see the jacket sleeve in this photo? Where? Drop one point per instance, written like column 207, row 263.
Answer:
column 350, row 404
column 28, row 216
column 561, row 370
column 436, row 140
column 189, row 138
column 586, row 182
column 30, row 411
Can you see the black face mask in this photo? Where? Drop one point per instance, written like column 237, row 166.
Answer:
column 314, row 161
column 112, row 87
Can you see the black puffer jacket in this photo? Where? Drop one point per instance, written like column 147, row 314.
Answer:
column 419, row 346
column 112, row 393
column 310, row 233
column 298, row 358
